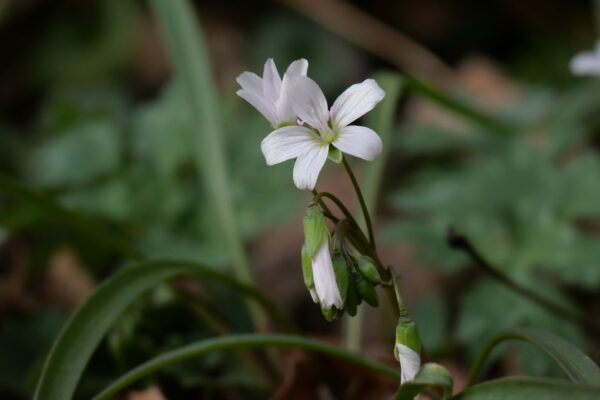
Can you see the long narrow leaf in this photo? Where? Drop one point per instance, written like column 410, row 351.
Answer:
column 528, row 389
column 241, row 341
column 83, row 332
column 576, row 365
column 189, row 57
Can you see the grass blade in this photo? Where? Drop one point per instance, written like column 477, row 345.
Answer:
column 528, row 389
column 242, row 341
column 191, row 65
column 576, row 365
column 83, row 332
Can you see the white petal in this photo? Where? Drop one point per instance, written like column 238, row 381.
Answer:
column 308, row 166
column 587, row 63
column 288, row 142
column 285, row 111
column 257, row 101
column 359, row 141
column 355, row 102
column 251, row 82
column 297, row 68
column 324, row 277
column 308, row 101
column 271, row 85
column 410, row 362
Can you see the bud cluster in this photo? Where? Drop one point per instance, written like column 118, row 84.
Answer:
column 338, row 276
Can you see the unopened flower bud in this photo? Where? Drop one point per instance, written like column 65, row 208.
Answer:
column 366, row 291
column 367, row 267
column 315, row 230
column 407, row 349
column 341, row 274
column 308, row 275
column 325, row 279
column 331, row 313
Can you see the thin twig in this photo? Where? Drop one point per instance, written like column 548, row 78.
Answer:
column 369, row 33
column 459, row 241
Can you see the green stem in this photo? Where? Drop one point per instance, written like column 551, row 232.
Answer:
column 337, row 201
column 242, row 341
column 361, row 200
column 381, row 119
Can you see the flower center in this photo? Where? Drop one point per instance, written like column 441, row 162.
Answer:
column 330, row 133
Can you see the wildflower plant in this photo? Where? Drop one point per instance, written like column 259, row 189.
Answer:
column 341, row 267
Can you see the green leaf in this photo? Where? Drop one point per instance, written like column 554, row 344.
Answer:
column 85, row 152
column 191, row 63
column 242, row 341
column 528, row 389
column 430, row 374
column 81, row 335
column 576, row 365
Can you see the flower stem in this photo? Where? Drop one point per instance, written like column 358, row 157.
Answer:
column 318, row 198
column 361, row 200
column 189, row 57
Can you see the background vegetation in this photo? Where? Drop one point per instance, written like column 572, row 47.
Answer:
column 91, row 120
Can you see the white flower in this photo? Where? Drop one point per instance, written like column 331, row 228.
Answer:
column 410, row 362
column 586, row 63
column 268, row 94
column 327, row 291
column 310, row 144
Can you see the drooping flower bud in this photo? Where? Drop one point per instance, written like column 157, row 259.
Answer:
column 308, row 275
column 366, row 291
column 367, row 268
column 325, row 279
column 407, row 349
column 315, row 230
column 341, row 274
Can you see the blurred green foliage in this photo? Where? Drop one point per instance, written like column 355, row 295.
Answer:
column 123, row 156
column 128, row 164
column 523, row 200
